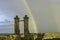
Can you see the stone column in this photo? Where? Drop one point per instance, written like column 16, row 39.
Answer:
column 26, row 29
column 17, row 31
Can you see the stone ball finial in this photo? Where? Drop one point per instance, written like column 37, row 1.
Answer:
column 16, row 17
column 26, row 17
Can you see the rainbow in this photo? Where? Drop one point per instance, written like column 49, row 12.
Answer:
column 30, row 12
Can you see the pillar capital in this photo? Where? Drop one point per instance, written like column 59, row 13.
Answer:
column 26, row 17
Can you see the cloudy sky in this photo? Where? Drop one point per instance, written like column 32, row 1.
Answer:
column 45, row 12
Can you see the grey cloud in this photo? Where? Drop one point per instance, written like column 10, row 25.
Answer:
column 43, row 11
